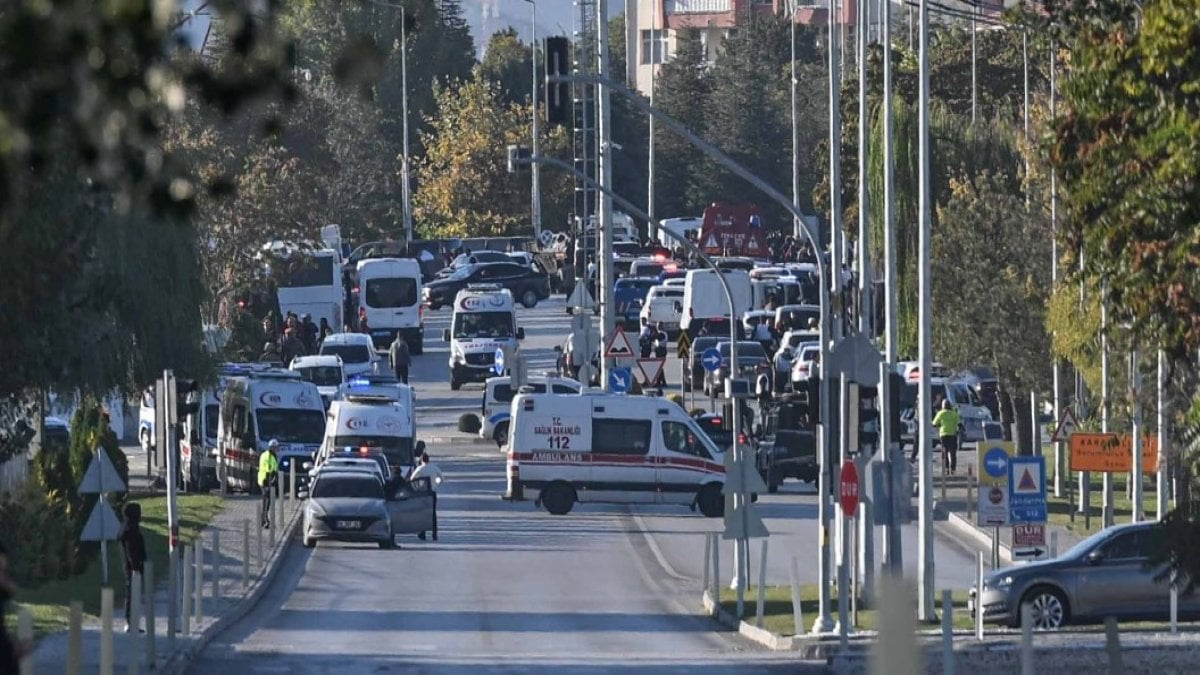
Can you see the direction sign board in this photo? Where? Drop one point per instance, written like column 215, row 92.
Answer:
column 619, row 346
column 1029, row 541
column 992, row 458
column 683, row 345
column 498, row 364
column 1066, row 426
column 1111, row 453
column 848, row 489
column 711, row 359
column 1027, row 489
column 619, row 380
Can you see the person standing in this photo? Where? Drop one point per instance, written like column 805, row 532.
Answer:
column 400, row 358
column 427, row 469
column 133, row 550
column 948, row 422
column 268, row 476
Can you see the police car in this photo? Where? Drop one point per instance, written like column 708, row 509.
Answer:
column 498, row 395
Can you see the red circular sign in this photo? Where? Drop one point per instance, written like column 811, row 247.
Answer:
column 848, row 489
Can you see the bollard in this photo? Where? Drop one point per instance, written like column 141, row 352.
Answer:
column 762, row 584
column 716, row 561
column 278, row 502
column 292, row 478
column 947, row 632
column 258, row 561
column 75, row 639
column 25, row 636
column 272, row 521
column 185, row 564
column 245, row 552
column 106, row 631
column 216, row 566
column 1174, row 609
column 198, row 581
column 797, row 608
column 1027, row 639
column 151, row 627
column 970, row 494
column 1112, row 645
column 172, row 595
column 945, row 480
column 979, row 595
column 707, row 558
column 135, row 621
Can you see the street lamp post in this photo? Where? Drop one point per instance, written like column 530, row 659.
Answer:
column 407, row 187
column 535, row 208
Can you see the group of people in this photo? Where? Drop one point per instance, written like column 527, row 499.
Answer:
column 299, row 337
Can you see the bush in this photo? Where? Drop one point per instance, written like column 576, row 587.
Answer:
column 90, row 429
column 469, row 423
column 41, row 540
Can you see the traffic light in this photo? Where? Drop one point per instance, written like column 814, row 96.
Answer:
column 895, row 386
column 868, row 419
column 187, row 397
column 558, row 94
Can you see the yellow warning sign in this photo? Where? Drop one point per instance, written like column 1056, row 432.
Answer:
column 1110, row 453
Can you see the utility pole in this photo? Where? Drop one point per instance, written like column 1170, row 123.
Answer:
column 1105, row 403
column 863, row 310
column 1160, row 476
column 1060, row 465
column 835, row 177
column 974, row 70
column 925, row 599
column 1135, row 390
column 797, row 226
column 652, row 224
column 889, row 231
column 407, row 187
column 535, row 173
column 604, row 212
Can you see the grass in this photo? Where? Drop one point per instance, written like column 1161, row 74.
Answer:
column 1060, row 511
column 777, row 608
column 50, row 603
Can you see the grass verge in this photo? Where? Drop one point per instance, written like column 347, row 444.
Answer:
column 50, row 603
column 777, row 608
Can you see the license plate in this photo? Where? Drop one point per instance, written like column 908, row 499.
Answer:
column 347, row 524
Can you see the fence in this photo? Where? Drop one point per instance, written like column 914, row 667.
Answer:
column 13, row 475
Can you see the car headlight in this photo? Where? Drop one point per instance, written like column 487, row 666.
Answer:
column 1002, row 583
column 315, row 508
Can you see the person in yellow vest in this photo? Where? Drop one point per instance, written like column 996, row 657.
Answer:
column 948, row 422
column 268, row 474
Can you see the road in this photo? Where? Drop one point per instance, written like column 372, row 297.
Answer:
column 510, row 588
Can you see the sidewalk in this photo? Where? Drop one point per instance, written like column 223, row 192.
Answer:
column 234, row 599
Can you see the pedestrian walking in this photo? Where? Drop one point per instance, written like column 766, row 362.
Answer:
column 133, row 550
column 400, row 358
column 268, row 477
column 11, row 652
column 427, row 469
column 948, row 421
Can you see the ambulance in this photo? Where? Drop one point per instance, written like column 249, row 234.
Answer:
column 485, row 319
column 265, row 405
column 385, row 385
column 371, row 423
column 498, row 395
column 599, row 447
column 198, row 442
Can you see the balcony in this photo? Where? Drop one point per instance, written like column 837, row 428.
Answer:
column 697, row 6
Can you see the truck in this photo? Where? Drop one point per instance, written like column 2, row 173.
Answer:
column 734, row 230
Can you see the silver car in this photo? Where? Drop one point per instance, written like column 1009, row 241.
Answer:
column 1107, row 574
column 347, row 506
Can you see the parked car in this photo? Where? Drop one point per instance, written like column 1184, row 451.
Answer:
column 788, row 453
column 1107, row 574
column 806, row 364
column 752, row 361
column 528, row 285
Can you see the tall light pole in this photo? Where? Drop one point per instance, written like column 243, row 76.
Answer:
column 604, row 201
column 925, row 601
column 406, row 174
column 797, row 226
column 535, row 207
column 651, row 225
column 864, row 267
column 889, row 234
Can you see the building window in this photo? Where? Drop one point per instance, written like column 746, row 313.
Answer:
column 654, row 46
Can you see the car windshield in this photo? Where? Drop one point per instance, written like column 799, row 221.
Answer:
column 356, row 459
column 349, row 353
column 746, row 350
column 483, row 325
column 346, row 486
column 291, row 426
column 322, row 376
column 810, row 354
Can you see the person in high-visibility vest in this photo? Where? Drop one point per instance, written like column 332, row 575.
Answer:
column 948, row 422
column 268, row 474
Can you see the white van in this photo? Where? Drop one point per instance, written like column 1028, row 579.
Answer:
column 485, row 319
column 703, row 297
column 623, row 227
column 389, row 289
column 373, row 422
column 323, row 370
column 612, row 448
column 663, row 304
column 682, row 227
column 356, row 351
column 498, row 395
column 266, row 405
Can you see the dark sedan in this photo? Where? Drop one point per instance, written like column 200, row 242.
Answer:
column 527, row 285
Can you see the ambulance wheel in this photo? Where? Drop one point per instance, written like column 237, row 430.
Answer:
column 558, row 499
column 501, row 434
column 529, row 298
column 711, row 501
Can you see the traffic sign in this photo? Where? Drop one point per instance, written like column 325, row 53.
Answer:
column 683, row 346
column 102, row 523
column 651, row 369
column 742, row 521
column 711, row 359
column 580, row 297
column 1027, row 489
column 993, row 506
column 1066, row 426
column 1028, row 534
column 995, row 462
column 1111, row 453
column 619, row 380
column 619, row 346
column 992, row 458
column 498, row 364
column 848, row 489
column 101, row 476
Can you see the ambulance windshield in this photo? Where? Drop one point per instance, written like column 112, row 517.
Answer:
column 291, row 426
column 483, row 325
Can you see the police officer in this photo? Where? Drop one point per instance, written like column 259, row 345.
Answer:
column 268, row 476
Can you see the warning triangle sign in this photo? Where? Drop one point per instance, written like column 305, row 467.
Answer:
column 619, row 346
column 1027, row 483
column 711, row 242
column 752, row 245
column 580, row 297
column 1066, row 427
column 651, row 369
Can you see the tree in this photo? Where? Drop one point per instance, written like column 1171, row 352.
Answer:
column 630, row 126
column 507, row 62
column 465, row 187
column 682, row 85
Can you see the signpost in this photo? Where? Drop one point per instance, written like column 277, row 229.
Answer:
column 619, row 346
column 1027, row 489
column 993, row 460
column 1111, row 453
column 498, row 364
column 100, row 478
column 1029, row 540
column 711, row 359
column 848, row 489
column 619, row 380
column 1066, row 427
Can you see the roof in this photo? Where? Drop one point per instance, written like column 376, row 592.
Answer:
column 348, row 339
column 314, row 360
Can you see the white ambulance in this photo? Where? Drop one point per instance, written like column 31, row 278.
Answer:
column 599, row 447
column 376, row 423
column 485, row 319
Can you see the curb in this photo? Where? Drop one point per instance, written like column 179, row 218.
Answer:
column 979, row 537
column 759, row 635
column 179, row 661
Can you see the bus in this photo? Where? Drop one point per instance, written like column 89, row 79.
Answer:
column 309, row 281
